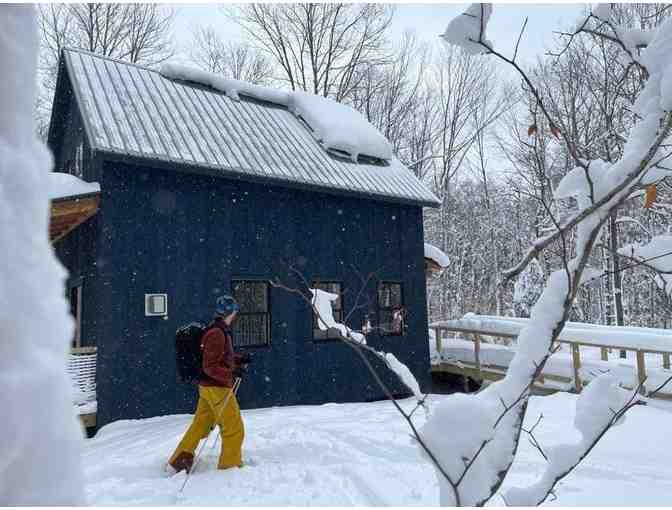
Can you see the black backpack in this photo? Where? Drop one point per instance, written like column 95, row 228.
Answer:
column 188, row 352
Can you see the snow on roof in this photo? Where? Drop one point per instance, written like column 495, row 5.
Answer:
column 246, row 132
column 626, row 337
column 337, row 126
column 65, row 185
column 433, row 253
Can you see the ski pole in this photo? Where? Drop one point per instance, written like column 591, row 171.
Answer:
column 236, row 385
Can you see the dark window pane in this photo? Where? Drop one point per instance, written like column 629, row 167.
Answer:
column 252, row 296
column 253, row 326
column 391, row 313
column 251, row 330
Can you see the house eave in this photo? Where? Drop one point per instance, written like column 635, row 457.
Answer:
column 240, row 174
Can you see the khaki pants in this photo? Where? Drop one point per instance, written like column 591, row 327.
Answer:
column 210, row 411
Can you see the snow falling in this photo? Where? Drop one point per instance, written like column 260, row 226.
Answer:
column 440, row 262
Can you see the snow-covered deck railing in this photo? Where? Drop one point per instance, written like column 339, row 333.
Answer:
column 639, row 340
column 82, row 371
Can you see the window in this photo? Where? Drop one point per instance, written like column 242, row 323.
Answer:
column 336, row 306
column 391, row 312
column 75, row 298
column 253, row 326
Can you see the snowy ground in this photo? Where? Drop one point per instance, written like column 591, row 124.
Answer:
column 361, row 454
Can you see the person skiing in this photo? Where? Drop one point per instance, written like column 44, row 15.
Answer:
column 217, row 404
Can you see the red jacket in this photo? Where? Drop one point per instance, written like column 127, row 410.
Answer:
column 219, row 358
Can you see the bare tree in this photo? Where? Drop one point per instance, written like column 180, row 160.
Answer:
column 139, row 33
column 319, row 48
column 461, row 116
column 473, row 470
column 388, row 93
column 232, row 59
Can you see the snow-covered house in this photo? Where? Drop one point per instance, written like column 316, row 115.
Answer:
column 214, row 186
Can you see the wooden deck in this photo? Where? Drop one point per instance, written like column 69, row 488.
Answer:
column 548, row 383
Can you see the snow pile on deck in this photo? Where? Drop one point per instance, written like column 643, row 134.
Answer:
column 627, row 337
column 337, row 126
column 62, row 185
column 41, row 439
column 435, row 254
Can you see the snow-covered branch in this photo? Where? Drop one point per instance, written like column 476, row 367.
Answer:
column 488, row 445
column 41, row 438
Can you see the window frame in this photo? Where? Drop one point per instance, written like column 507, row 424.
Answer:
column 381, row 308
column 314, row 328
column 76, row 288
column 241, row 313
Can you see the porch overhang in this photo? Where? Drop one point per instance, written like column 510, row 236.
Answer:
column 67, row 213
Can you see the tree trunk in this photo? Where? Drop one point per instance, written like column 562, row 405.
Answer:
column 617, row 279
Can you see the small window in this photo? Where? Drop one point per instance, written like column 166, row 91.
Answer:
column 391, row 312
column 75, row 298
column 336, row 306
column 253, row 326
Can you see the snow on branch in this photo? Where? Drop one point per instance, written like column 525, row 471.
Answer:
column 40, row 460
column 468, row 29
column 321, row 303
column 478, row 461
column 325, row 315
column 600, row 406
column 656, row 255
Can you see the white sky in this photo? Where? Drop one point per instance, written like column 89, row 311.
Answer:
column 428, row 21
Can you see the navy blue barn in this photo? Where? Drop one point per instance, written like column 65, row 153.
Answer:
column 203, row 195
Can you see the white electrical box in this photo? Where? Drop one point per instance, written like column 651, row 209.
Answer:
column 156, row 305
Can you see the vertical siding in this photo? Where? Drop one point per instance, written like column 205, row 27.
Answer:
column 190, row 235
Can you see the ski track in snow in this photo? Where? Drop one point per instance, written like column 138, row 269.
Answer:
column 362, row 454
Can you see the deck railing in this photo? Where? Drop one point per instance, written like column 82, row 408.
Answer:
column 442, row 329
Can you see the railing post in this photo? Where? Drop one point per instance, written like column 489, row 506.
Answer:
column 641, row 372
column 604, row 353
column 477, row 354
column 666, row 360
column 576, row 361
column 437, row 337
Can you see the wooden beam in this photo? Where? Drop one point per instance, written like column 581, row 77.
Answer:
column 88, row 420
column 641, row 372
column 83, row 350
column 66, row 215
column 477, row 353
column 576, row 362
column 437, row 335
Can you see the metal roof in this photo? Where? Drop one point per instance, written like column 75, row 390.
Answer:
column 133, row 110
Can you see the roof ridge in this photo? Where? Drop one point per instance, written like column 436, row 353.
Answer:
column 111, row 59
